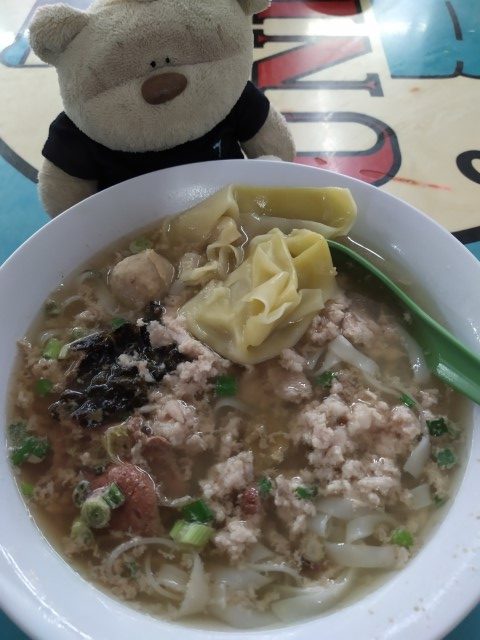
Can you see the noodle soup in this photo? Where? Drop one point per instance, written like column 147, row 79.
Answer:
column 215, row 423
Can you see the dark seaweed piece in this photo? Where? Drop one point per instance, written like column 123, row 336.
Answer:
column 154, row 311
column 103, row 389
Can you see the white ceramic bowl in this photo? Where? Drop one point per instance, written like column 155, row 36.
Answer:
column 425, row 600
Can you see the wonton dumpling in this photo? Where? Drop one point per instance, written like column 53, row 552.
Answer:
column 267, row 303
column 215, row 222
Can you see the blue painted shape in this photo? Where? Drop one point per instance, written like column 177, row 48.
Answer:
column 474, row 247
column 16, row 53
column 20, row 212
column 430, row 38
column 469, row 629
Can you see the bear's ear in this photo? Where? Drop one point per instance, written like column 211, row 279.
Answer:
column 254, row 6
column 53, row 28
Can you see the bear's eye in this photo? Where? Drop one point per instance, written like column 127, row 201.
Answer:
column 167, row 60
column 153, row 64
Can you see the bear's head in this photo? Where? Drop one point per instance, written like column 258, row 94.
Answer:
column 140, row 75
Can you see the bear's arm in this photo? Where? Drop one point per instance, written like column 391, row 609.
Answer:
column 59, row 191
column 273, row 139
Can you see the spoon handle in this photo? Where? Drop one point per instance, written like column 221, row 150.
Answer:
column 446, row 356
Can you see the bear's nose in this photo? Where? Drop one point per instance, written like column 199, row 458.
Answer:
column 163, row 87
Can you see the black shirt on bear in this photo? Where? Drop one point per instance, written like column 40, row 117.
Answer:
column 78, row 155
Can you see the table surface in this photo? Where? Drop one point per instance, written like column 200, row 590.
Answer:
column 382, row 90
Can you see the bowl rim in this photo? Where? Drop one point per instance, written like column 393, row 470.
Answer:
column 16, row 597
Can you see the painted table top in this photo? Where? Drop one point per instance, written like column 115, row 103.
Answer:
column 383, row 90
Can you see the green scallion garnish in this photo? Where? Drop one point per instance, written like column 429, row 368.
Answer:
column 407, row 400
column 17, row 433
column 27, row 489
column 225, row 386
column 191, row 533
column 43, row 387
column 326, row 379
column 140, row 244
column 77, row 332
column 265, row 486
column 306, row 493
column 32, row 449
column 131, row 568
column 96, row 512
column 81, row 532
column 52, row 308
column 402, row 538
column 116, row 323
column 437, row 427
column 197, row 511
column 52, row 349
column 438, row 501
column 446, row 459
column 80, row 493
column 113, row 496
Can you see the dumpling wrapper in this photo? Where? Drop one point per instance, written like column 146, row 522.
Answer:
column 215, row 223
column 267, row 303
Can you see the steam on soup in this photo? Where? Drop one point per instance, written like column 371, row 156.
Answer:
column 213, row 422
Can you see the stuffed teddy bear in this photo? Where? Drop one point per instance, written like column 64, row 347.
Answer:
column 149, row 84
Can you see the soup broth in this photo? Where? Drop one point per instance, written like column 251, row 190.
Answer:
column 193, row 485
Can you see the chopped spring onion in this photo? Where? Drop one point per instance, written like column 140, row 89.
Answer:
column 306, row 493
column 81, row 533
column 43, row 387
column 225, row 386
column 140, row 244
column 52, row 307
column 446, row 459
column 131, row 568
column 78, row 332
column 96, row 512
column 52, row 349
column 64, row 352
column 197, row 511
column 192, row 533
column 33, row 449
column 325, row 379
column 27, row 489
column 407, row 400
column 80, row 493
column 113, row 496
column 437, row 427
column 402, row 538
column 116, row 323
column 265, row 486
column 439, row 501
column 17, row 433
column 117, row 440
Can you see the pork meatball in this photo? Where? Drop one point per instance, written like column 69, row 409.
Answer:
column 141, row 278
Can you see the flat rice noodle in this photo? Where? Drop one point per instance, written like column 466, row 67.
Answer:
column 419, row 457
column 312, row 600
column 364, row 526
column 240, row 578
column 172, row 577
column 259, row 552
column 319, row 524
column 197, row 594
column 136, row 542
column 361, row 556
column 241, row 617
column 155, row 584
column 277, row 567
column 421, row 373
column 345, row 350
column 343, row 508
column 421, row 497
column 233, row 403
column 330, row 361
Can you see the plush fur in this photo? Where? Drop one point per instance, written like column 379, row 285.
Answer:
column 103, row 56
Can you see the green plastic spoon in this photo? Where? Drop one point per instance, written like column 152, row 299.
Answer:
column 448, row 358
